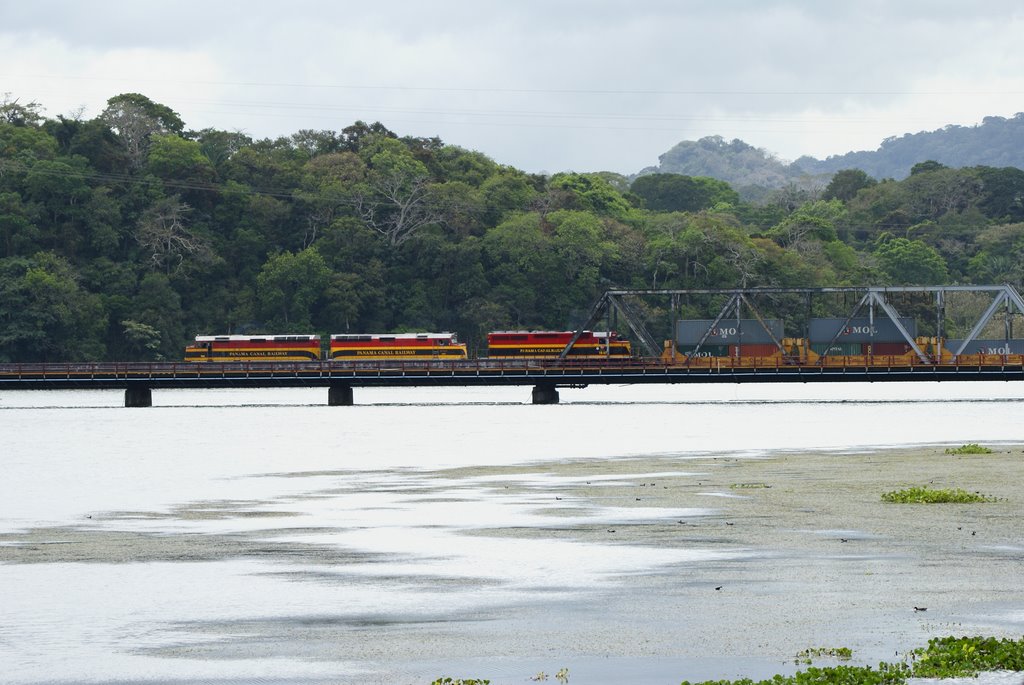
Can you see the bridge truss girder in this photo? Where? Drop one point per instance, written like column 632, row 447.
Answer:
column 871, row 297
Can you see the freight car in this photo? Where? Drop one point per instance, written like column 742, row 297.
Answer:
column 797, row 352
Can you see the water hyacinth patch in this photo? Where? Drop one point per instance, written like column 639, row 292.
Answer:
column 969, row 448
column 945, row 657
column 926, row 495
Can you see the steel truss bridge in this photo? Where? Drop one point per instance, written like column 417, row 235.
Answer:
column 139, row 379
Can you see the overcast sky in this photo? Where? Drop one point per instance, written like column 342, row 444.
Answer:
column 543, row 85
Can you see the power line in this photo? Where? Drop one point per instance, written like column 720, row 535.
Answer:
column 538, row 91
column 298, row 194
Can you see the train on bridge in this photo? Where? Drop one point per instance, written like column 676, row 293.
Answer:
column 881, row 346
column 721, row 347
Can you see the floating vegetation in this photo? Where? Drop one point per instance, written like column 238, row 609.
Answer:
column 969, row 448
column 945, row 657
column 562, row 676
column 885, row 674
column 964, row 657
column 926, row 495
column 749, row 486
column 841, row 653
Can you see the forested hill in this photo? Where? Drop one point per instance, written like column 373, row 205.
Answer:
column 996, row 142
column 125, row 235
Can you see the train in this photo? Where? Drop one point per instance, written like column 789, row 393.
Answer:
column 590, row 345
column 601, row 347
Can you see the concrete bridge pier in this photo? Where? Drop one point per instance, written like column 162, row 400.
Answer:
column 545, row 393
column 340, row 396
column 138, row 396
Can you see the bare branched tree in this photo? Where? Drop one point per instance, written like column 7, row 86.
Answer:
column 396, row 206
column 163, row 231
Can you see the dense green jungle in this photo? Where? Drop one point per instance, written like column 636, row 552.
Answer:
column 124, row 236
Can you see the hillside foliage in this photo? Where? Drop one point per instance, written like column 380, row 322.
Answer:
column 125, row 235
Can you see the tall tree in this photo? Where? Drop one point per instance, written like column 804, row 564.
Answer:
column 288, row 286
column 396, row 199
column 135, row 118
column 45, row 315
column 846, row 184
column 164, row 233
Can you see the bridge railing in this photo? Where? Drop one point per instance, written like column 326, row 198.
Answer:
column 340, row 369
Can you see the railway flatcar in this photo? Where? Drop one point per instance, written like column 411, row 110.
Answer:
column 548, row 345
column 401, row 346
column 233, row 348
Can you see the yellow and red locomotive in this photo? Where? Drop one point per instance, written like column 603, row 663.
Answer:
column 233, row 348
column 419, row 346
column 549, row 344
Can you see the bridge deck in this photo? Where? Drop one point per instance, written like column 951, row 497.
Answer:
column 466, row 373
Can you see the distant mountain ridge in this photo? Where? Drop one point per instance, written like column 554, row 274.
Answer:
column 996, row 142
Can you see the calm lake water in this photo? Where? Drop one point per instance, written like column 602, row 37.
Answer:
column 229, row 536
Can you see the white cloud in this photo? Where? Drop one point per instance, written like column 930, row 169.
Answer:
column 542, row 86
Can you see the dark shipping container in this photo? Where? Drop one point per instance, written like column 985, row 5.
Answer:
column 728, row 331
column 704, row 351
column 859, row 330
column 987, row 346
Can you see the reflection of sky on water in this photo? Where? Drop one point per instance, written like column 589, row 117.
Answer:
column 81, row 622
column 63, row 464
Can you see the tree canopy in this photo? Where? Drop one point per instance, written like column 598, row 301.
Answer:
column 125, row 235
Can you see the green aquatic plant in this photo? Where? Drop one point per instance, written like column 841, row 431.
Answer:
column 885, row 674
column 969, row 448
column 957, row 657
column 926, row 495
column 460, row 681
column 842, row 653
column 944, row 657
